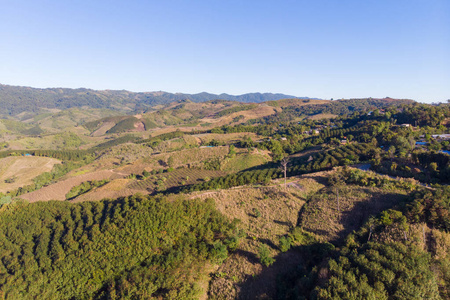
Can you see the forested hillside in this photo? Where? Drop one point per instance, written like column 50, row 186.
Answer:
column 15, row 99
column 131, row 248
column 288, row 199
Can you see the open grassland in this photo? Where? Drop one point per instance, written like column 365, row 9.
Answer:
column 114, row 189
column 245, row 160
column 133, row 158
column 266, row 213
column 22, row 169
column 322, row 116
column 188, row 157
column 104, row 127
column 258, row 112
column 332, row 222
column 61, row 120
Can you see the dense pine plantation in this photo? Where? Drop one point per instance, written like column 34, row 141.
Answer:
column 128, row 248
column 381, row 271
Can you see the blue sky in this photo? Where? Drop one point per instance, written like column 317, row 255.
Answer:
column 325, row 49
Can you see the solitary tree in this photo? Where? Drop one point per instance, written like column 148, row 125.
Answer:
column 284, row 164
column 336, row 180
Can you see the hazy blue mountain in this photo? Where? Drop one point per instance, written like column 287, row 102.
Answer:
column 16, row 99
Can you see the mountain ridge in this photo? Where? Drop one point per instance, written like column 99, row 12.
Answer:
column 17, row 99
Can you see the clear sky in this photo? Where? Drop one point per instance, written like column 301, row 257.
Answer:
column 316, row 48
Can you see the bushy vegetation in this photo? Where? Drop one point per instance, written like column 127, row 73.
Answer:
column 173, row 179
column 359, row 235
column 339, row 107
column 46, row 178
column 124, row 125
column 84, row 188
column 130, row 248
column 322, row 161
column 73, row 155
column 229, row 111
column 380, row 271
column 424, row 166
column 118, row 141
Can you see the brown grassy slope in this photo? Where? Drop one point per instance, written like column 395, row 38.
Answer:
column 356, row 204
column 104, row 127
column 245, row 160
column 295, row 102
column 322, row 116
column 193, row 157
column 278, row 210
column 58, row 191
column 260, row 111
column 24, row 169
column 112, row 190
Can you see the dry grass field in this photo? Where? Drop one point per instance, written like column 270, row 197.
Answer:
column 103, row 128
column 22, row 169
column 114, row 189
column 260, row 111
column 265, row 213
column 295, row 102
column 322, row 116
column 58, row 190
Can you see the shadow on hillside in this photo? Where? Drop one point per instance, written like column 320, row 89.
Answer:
column 251, row 257
column 264, row 286
column 284, row 223
column 285, row 273
column 353, row 218
column 269, row 243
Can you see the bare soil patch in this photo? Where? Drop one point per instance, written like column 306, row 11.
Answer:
column 103, row 129
column 58, row 191
column 23, row 169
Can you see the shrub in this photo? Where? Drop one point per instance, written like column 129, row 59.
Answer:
column 264, row 255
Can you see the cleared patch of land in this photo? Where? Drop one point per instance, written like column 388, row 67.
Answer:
column 266, row 213
column 259, row 112
column 332, row 222
column 58, row 191
column 245, row 160
column 322, row 116
column 103, row 128
column 20, row 170
column 114, row 189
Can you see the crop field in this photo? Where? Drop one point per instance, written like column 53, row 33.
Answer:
column 58, row 190
column 322, row 116
column 114, row 189
column 20, row 170
column 177, row 177
column 245, row 160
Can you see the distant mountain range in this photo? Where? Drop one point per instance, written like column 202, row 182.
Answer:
column 16, row 99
